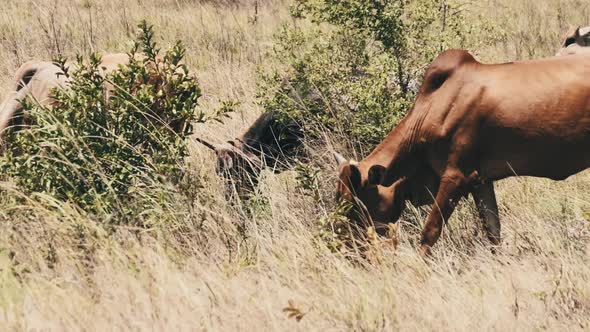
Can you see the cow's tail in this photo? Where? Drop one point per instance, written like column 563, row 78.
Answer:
column 12, row 104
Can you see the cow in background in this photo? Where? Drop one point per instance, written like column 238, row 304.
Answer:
column 273, row 141
column 576, row 40
column 36, row 79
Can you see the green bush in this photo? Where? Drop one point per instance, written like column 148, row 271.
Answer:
column 98, row 146
column 355, row 70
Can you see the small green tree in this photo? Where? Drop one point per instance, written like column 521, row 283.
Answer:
column 107, row 136
column 356, row 69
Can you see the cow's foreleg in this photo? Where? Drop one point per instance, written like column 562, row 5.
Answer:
column 451, row 188
column 485, row 200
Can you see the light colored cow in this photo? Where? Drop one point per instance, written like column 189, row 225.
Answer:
column 576, row 41
column 37, row 78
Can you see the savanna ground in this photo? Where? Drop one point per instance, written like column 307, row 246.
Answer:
column 249, row 267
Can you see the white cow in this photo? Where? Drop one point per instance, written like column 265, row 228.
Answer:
column 576, row 41
column 37, row 78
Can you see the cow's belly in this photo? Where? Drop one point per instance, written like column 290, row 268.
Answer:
column 550, row 157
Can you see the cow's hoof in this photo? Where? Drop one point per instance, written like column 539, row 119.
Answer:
column 424, row 251
column 495, row 244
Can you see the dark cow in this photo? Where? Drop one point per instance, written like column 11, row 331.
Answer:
column 272, row 141
column 473, row 124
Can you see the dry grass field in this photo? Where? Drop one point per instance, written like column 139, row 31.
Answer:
column 236, row 270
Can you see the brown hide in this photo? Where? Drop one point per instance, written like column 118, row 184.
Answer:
column 472, row 124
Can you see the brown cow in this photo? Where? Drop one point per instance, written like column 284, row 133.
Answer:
column 576, row 41
column 37, row 78
column 473, row 124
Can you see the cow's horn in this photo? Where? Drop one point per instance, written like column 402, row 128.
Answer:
column 339, row 158
column 207, row 144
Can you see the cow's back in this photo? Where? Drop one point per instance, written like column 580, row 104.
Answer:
column 522, row 94
column 36, row 79
column 532, row 116
column 111, row 62
column 574, row 49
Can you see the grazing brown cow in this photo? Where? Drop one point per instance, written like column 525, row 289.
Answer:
column 473, row 124
column 576, row 41
column 37, row 78
column 272, row 141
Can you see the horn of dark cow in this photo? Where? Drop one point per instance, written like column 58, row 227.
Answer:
column 339, row 158
column 207, row 144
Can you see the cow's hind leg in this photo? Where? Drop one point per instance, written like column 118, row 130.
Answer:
column 485, row 200
column 451, row 189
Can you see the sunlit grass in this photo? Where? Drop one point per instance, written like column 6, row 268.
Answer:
column 207, row 264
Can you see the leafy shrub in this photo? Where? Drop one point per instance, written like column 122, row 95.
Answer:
column 108, row 135
column 356, row 69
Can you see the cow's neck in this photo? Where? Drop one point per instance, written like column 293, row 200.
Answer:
column 392, row 149
column 395, row 151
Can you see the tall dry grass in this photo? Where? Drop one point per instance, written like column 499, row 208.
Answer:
column 249, row 267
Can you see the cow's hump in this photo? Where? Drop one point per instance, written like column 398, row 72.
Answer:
column 443, row 67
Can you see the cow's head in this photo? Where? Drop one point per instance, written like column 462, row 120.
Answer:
column 372, row 203
column 575, row 41
column 238, row 166
column 270, row 141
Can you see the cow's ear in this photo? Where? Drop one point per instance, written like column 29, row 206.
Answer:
column 350, row 175
column 577, row 36
column 584, row 35
column 225, row 160
column 570, row 36
column 355, row 176
column 377, row 174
